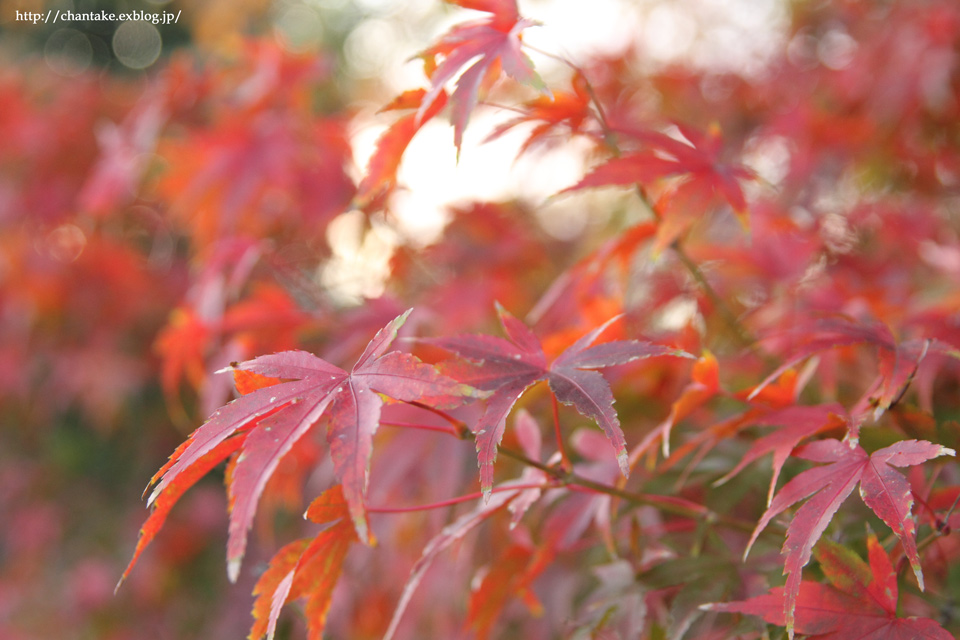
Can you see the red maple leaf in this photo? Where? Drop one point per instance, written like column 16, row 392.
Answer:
column 165, row 502
column 563, row 108
column 507, row 368
column 385, row 161
column 701, row 176
column 859, row 602
column 494, row 43
column 796, row 424
column 898, row 362
column 882, row 489
column 307, row 568
column 277, row 416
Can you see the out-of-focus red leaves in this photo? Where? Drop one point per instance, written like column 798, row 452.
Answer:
column 702, row 177
column 490, row 46
column 125, row 153
column 381, row 173
column 262, row 161
column 182, row 347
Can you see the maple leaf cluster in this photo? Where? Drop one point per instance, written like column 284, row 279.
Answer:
column 652, row 427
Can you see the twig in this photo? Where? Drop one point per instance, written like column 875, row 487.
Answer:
column 567, row 477
column 564, row 458
column 452, row 501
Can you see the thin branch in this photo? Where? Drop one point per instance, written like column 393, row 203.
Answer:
column 739, row 331
column 609, row 135
column 504, row 107
column 422, row 427
column 530, row 462
column 941, row 529
column 741, row 334
column 669, row 504
column 457, row 500
column 461, row 430
column 564, row 458
column 945, row 526
column 566, row 477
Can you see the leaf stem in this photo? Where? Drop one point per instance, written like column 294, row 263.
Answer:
column 565, row 463
column 743, row 337
column 669, row 504
column 422, row 427
column 530, row 462
column 609, row 136
column 946, row 518
column 452, row 501
column 461, row 430
column 575, row 482
column 941, row 529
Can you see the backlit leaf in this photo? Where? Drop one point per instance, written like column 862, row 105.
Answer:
column 489, row 44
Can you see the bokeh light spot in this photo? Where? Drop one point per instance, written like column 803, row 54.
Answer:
column 299, row 29
column 137, row 45
column 68, row 52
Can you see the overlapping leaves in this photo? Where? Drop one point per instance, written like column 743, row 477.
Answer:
column 883, row 489
column 275, row 417
column 898, row 362
column 507, row 368
column 859, row 602
column 696, row 166
column 491, row 44
column 307, row 569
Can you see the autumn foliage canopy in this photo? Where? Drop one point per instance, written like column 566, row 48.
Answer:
column 645, row 422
